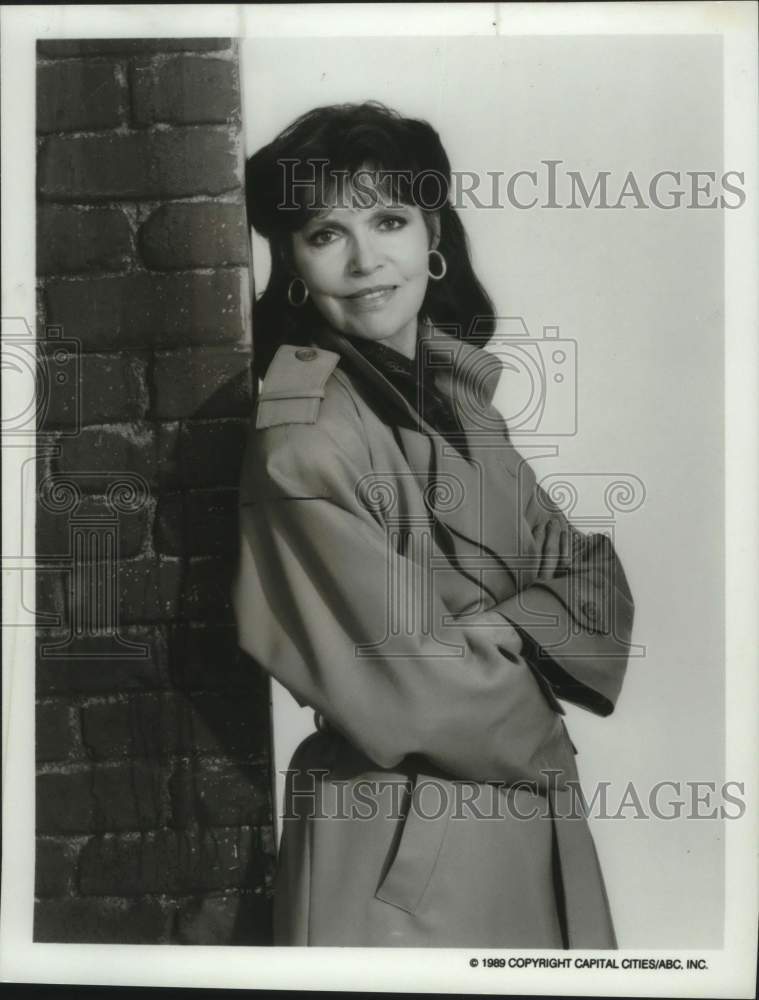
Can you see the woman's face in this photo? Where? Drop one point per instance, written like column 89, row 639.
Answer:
column 366, row 268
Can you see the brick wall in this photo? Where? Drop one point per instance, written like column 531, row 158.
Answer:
column 153, row 790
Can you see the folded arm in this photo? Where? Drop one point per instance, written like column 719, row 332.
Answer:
column 330, row 605
column 576, row 617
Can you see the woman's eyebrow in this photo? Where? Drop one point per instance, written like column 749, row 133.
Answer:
column 319, row 216
column 380, row 199
column 325, row 215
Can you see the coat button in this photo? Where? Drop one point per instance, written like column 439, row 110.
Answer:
column 305, row 354
column 590, row 610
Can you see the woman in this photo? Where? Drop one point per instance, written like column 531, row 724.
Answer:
column 402, row 573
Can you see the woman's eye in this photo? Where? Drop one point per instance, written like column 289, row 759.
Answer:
column 322, row 237
column 392, row 222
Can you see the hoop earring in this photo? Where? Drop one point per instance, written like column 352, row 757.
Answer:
column 443, row 266
column 290, row 297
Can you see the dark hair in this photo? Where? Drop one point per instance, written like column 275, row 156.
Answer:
column 347, row 138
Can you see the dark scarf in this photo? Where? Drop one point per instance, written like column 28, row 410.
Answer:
column 415, row 383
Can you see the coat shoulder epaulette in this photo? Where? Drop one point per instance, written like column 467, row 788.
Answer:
column 294, row 385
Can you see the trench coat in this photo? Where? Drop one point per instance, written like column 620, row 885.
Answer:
column 437, row 802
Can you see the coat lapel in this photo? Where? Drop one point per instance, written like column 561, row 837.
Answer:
column 476, row 499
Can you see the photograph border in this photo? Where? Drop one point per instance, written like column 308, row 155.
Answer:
column 731, row 971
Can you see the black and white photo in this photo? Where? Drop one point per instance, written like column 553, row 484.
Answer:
column 379, row 478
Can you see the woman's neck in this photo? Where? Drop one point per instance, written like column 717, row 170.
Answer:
column 405, row 340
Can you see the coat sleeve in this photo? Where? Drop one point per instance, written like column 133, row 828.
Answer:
column 316, row 576
column 577, row 625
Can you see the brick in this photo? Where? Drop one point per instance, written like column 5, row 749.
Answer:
column 148, row 310
column 39, row 302
column 138, row 725
column 54, row 867
column 71, row 670
column 207, row 591
column 99, row 921
column 228, row 725
column 99, row 457
column 124, row 797
column 202, row 382
column 53, row 529
column 267, row 842
column 168, row 456
column 56, row 732
column 233, row 919
column 165, row 164
column 200, row 234
column 198, row 523
column 51, row 587
column 61, row 49
column 97, row 661
column 169, row 862
column 211, row 452
column 70, row 240
column 100, row 597
column 171, row 535
column 57, row 354
column 131, row 797
column 150, row 590
column 157, row 726
column 64, row 802
column 105, row 388
column 77, row 96
column 220, row 795
column 182, row 90
column 208, row 657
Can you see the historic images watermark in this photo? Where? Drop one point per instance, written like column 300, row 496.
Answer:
column 549, row 184
column 316, row 793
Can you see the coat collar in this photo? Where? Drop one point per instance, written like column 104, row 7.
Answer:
column 475, row 498
column 464, row 373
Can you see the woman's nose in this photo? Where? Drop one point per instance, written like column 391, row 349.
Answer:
column 363, row 255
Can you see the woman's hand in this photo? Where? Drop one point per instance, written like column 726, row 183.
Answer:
column 493, row 626
column 554, row 541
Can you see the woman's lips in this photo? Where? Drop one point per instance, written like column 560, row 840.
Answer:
column 372, row 298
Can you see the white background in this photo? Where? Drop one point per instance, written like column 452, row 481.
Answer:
column 641, row 293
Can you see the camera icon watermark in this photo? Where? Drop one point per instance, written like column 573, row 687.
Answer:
column 538, row 388
column 34, row 370
column 529, row 382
